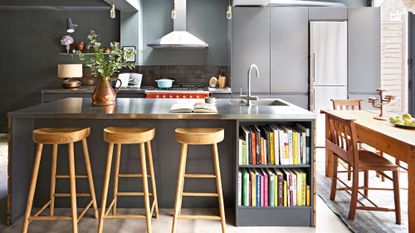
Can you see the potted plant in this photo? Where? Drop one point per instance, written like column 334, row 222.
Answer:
column 103, row 66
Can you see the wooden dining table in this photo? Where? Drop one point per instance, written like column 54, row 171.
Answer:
column 382, row 135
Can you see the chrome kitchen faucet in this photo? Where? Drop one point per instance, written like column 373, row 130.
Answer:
column 248, row 97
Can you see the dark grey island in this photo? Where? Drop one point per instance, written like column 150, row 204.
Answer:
column 155, row 113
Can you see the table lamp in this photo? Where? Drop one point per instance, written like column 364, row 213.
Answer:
column 68, row 72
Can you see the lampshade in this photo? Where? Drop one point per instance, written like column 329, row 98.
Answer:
column 70, row 27
column 70, row 70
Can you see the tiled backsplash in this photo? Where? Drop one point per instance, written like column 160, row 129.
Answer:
column 194, row 75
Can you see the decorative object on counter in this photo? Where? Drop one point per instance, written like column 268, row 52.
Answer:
column 67, row 40
column 79, row 46
column 221, row 81
column 383, row 100
column 107, row 50
column 173, row 11
column 70, row 26
column 164, row 83
column 112, row 10
column 130, row 79
column 405, row 121
column 229, row 10
column 129, row 56
column 103, row 67
column 116, row 44
column 68, row 72
column 94, row 41
column 210, row 100
column 213, row 81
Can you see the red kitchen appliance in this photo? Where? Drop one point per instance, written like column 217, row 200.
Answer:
column 178, row 92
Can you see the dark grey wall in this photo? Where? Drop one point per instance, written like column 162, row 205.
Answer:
column 205, row 19
column 29, row 47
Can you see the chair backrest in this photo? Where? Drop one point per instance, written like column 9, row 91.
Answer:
column 342, row 139
column 347, row 104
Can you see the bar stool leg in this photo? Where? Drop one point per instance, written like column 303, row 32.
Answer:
column 145, row 187
column 219, row 186
column 32, row 189
column 53, row 179
column 116, row 177
column 105, row 188
column 153, row 179
column 90, row 178
column 180, row 185
column 73, row 188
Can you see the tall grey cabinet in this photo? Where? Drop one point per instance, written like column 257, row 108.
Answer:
column 250, row 45
column 364, row 51
column 289, row 52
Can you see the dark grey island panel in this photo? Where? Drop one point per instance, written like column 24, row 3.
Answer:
column 146, row 113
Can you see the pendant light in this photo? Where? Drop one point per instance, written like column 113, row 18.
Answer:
column 229, row 10
column 112, row 11
column 173, row 11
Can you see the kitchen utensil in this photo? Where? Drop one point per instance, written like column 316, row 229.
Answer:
column 164, row 83
column 222, row 81
column 213, row 81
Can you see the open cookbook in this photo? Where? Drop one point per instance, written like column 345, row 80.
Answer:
column 193, row 108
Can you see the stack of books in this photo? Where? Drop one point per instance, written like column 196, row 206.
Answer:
column 274, row 144
column 271, row 187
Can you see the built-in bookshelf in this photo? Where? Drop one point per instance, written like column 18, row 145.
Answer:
column 274, row 177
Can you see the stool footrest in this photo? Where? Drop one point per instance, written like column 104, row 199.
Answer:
column 200, row 176
column 131, row 194
column 67, row 177
column 43, row 208
column 68, row 195
column 189, row 194
column 125, row 216
column 131, row 175
column 49, row 218
column 204, row 217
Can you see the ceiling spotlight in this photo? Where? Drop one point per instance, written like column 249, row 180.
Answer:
column 112, row 11
column 70, row 26
column 229, row 11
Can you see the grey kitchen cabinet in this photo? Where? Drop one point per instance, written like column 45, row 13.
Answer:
column 250, row 45
column 364, row 49
column 289, row 50
column 327, row 13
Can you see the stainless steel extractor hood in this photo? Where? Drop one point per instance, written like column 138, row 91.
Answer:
column 179, row 37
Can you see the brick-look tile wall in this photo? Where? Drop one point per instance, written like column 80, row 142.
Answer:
column 393, row 56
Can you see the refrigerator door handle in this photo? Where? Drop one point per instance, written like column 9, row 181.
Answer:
column 313, row 70
column 312, row 100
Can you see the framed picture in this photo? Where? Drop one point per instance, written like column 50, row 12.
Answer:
column 132, row 58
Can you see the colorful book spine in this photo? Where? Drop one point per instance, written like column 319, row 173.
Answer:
column 266, row 187
column 271, row 191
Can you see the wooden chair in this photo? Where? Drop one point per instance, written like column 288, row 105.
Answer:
column 55, row 137
column 199, row 136
column 342, row 142
column 347, row 104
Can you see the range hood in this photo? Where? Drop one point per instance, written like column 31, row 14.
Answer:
column 179, row 37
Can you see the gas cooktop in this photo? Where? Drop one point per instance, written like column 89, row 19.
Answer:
column 187, row 87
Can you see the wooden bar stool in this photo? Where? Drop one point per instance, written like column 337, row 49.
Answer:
column 54, row 137
column 198, row 136
column 129, row 135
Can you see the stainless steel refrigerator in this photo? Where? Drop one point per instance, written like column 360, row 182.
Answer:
column 328, row 68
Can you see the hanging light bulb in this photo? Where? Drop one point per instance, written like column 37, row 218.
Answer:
column 173, row 11
column 229, row 11
column 112, row 11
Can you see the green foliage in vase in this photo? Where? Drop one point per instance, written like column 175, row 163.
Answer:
column 102, row 64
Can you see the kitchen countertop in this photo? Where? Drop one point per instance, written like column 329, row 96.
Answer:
column 140, row 108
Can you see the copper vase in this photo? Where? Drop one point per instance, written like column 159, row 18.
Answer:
column 104, row 94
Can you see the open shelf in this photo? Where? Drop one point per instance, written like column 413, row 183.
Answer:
column 275, row 166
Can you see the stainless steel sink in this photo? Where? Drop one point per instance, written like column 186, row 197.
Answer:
column 261, row 102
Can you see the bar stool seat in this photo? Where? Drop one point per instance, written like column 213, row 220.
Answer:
column 55, row 137
column 129, row 135
column 199, row 136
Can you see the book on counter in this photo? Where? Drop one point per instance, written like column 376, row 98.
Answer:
column 268, row 187
column 193, row 108
column 274, row 144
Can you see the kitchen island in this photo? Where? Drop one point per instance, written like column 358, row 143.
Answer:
column 78, row 112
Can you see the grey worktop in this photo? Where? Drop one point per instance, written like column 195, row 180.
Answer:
column 141, row 108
